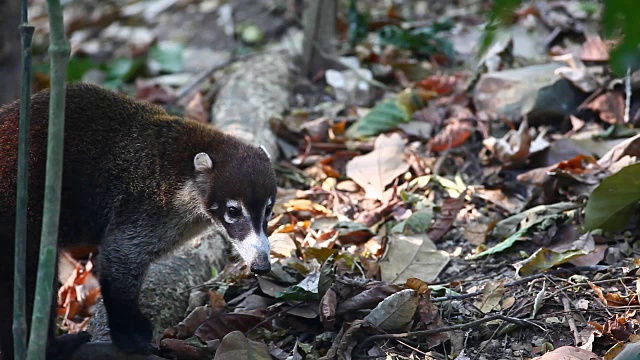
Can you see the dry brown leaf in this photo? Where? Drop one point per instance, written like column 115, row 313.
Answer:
column 219, row 325
column 449, row 210
column 454, row 134
column 377, row 169
column 187, row 327
column 328, row 309
column 569, row 353
column 236, row 346
column 394, row 312
column 195, row 109
column 491, row 297
column 610, row 106
column 414, row 256
column 441, row 84
column 594, row 49
column 367, row 299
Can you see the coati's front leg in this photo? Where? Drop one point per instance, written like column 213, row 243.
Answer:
column 123, row 265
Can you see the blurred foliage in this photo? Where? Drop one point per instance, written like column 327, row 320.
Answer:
column 358, row 24
column 500, row 19
column 620, row 22
column 422, row 41
column 621, row 19
column 614, row 201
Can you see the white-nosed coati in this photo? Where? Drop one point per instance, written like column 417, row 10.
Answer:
column 137, row 182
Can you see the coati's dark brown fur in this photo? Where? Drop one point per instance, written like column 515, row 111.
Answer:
column 133, row 183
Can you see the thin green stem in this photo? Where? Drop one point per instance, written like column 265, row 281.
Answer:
column 19, row 314
column 59, row 51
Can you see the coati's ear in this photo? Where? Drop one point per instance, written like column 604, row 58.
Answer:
column 202, row 162
column 264, row 149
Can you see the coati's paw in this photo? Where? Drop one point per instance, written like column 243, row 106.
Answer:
column 62, row 347
column 133, row 336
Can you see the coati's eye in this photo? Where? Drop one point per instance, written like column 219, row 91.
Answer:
column 233, row 211
column 267, row 212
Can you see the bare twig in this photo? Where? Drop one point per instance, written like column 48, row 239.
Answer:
column 572, row 323
column 524, row 280
column 627, row 92
column 466, row 326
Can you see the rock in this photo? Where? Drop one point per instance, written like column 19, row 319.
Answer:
column 533, row 91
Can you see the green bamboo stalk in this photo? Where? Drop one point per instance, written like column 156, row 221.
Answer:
column 19, row 315
column 59, row 50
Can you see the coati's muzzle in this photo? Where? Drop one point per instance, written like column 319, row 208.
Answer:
column 254, row 250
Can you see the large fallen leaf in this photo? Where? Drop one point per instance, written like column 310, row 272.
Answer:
column 236, row 346
column 367, row 299
column 531, row 216
column 412, row 256
column 569, row 353
column 394, row 312
column 543, row 259
column 375, row 170
column 491, row 297
column 614, row 200
column 219, row 325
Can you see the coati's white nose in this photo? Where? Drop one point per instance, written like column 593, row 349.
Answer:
column 260, row 264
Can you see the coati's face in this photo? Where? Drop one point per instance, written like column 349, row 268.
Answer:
column 239, row 194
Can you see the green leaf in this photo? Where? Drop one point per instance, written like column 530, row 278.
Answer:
column 423, row 41
column 168, row 55
column 296, row 293
column 613, row 202
column 384, row 116
column 123, row 69
column 419, row 221
column 500, row 20
column 358, row 24
column 618, row 20
column 77, row 67
column 503, row 245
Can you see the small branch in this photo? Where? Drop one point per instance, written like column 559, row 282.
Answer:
column 466, row 326
column 524, row 280
column 570, row 320
column 627, row 92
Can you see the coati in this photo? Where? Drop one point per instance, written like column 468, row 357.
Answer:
column 137, row 182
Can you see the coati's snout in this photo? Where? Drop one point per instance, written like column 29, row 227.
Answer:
column 242, row 203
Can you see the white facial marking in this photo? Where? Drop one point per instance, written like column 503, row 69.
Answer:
column 265, row 151
column 238, row 205
column 252, row 246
